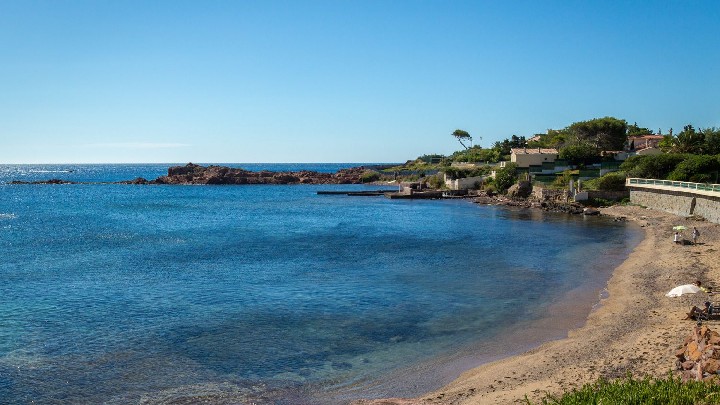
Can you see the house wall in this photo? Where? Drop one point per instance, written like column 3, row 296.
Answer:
column 524, row 160
column 464, row 183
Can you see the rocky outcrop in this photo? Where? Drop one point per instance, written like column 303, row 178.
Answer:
column 554, row 206
column 522, row 189
column 138, row 180
column 699, row 356
column 50, row 181
column 197, row 174
column 550, row 206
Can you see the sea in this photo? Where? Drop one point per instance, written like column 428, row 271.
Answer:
column 273, row 294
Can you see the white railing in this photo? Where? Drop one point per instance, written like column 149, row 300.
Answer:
column 703, row 188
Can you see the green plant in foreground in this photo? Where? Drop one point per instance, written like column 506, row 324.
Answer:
column 629, row 391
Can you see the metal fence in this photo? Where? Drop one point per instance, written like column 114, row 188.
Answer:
column 682, row 185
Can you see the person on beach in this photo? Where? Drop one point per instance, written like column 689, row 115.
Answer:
column 676, row 238
column 699, row 284
column 695, row 235
column 696, row 313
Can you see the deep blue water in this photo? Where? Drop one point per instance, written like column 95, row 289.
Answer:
column 269, row 294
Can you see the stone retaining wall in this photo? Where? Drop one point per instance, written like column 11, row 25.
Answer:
column 545, row 194
column 678, row 203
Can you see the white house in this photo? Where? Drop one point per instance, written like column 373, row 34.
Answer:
column 526, row 157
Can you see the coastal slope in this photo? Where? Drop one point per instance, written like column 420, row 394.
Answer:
column 635, row 330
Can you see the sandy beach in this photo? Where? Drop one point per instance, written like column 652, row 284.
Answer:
column 636, row 329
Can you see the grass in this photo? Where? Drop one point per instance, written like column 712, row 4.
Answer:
column 629, row 391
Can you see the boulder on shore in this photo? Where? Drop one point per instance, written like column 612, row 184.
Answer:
column 522, row 189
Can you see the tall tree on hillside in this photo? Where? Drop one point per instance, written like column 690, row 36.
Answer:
column 606, row 133
column 461, row 136
column 635, row 130
column 688, row 141
column 712, row 140
column 514, row 142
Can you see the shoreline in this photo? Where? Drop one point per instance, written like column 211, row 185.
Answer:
column 636, row 329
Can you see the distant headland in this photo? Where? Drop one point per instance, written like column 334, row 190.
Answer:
column 222, row 175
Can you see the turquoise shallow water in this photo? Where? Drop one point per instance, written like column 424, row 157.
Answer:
column 268, row 294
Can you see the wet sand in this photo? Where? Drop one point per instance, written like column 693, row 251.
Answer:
column 635, row 330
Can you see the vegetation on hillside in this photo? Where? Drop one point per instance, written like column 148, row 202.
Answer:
column 691, row 155
column 674, row 166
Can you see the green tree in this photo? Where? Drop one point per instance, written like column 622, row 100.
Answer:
column 555, row 138
column 461, row 136
column 606, row 133
column 696, row 168
column 503, row 147
column 712, row 140
column 666, row 144
column 652, row 166
column 635, row 130
column 578, row 153
column 505, row 177
column 688, row 141
column 476, row 154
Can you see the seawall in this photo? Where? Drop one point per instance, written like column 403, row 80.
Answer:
column 678, row 202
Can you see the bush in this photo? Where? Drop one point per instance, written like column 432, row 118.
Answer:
column 505, row 177
column 629, row 391
column 369, row 176
column 614, row 181
column 436, row 181
column 699, row 169
column 476, row 154
column 563, row 180
column 652, row 166
column 580, row 153
column 458, row 173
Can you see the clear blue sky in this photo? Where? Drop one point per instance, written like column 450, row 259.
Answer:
column 340, row 80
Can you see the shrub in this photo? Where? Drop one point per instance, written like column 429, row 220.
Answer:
column 505, row 177
column 563, row 180
column 652, row 166
column 698, row 168
column 458, row 173
column 580, row 153
column 436, row 181
column 369, row 176
column 629, row 391
column 614, row 181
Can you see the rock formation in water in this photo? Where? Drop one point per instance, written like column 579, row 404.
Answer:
column 50, row 181
column 196, row 174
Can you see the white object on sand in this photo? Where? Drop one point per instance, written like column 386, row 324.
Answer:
column 683, row 289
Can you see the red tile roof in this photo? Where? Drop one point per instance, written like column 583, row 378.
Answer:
column 533, row 151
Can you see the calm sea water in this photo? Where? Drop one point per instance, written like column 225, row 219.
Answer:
column 272, row 294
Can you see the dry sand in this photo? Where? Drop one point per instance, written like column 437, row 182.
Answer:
column 636, row 329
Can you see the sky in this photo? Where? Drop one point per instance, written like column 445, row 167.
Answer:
column 339, row 81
